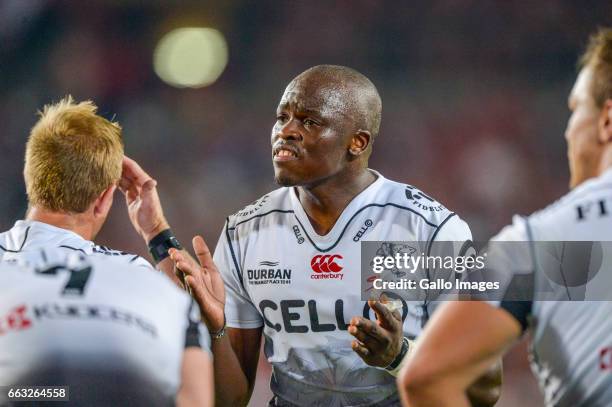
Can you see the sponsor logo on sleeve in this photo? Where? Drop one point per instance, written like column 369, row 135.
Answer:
column 589, row 210
column 254, row 207
column 327, row 266
column 422, row 201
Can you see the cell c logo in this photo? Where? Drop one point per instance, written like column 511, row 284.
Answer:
column 326, row 263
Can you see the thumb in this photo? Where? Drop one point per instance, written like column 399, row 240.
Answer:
column 149, row 186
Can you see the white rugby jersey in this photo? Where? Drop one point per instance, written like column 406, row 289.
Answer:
column 98, row 325
column 571, row 350
column 304, row 288
column 22, row 243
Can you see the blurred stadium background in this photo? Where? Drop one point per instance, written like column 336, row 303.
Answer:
column 474, row 100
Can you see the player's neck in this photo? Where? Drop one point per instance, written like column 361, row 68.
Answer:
column 73, row 222
column 606, row 160
column 325, row 202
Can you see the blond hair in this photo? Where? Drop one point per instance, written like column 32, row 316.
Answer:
column 72, row 156
column 598, row 56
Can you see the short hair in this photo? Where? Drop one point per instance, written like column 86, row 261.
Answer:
column 598, row 56
column 72, row 156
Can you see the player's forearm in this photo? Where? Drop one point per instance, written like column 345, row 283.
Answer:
column 197, row 388
column 485, row 392
column 431, row 392
column 232, row 387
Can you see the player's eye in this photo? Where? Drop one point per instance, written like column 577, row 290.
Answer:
column 281, row 118
column 309, row 122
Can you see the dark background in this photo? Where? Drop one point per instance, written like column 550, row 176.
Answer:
column 474, row 101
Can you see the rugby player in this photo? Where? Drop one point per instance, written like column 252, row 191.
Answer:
column 73, row 163
column 571, row 341
column 95, row 324
column 290, row 261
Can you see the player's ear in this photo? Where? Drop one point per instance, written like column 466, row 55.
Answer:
column 605, row 123
column 360, row 142
column 104, row 201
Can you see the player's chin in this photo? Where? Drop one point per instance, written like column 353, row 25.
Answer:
column 285, row 176
column 285, row 181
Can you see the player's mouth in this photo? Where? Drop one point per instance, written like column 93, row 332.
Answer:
column 284, row 153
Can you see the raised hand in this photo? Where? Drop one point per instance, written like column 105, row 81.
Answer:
column 142, row 199
column 203, row 282
column 377, row 342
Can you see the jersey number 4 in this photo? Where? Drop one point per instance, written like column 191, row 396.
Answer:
column 77, row 281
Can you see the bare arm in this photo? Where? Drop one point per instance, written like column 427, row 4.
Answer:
column 236, row 353
column 460, row 344
column 197, row 387
column 236, row 357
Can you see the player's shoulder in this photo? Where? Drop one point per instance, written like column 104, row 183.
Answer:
column 420, row 208
column 585, row 201
column 119, row 255
column 130, row 272
column 276, row 203
column 561, row 219
column 413, row 201
column 2, row 243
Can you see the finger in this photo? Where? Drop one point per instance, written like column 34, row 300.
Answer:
column 203, row 252
column 382, row 312
column 195, row 289
column 174, row 254
column 179, row 255
column 396, row 315
column 131, row 195
column 124, row 184
column 188, row 268
column 360, row 349
column 371, row 330
column 134, row 172
column 359, row 334
column 180, row 276
column 148, row 194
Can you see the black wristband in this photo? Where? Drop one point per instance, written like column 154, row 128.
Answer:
column 398, row 359
column 161, row 243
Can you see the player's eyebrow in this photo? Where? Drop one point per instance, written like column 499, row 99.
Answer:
column 301, row 108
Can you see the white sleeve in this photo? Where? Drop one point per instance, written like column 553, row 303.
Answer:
column 240, row 312
column 141, row 262
column 453, row 229
column 510, row 257
column 457, row 233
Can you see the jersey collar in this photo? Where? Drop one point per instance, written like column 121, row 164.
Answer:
column 363, row 198
column 39, row 229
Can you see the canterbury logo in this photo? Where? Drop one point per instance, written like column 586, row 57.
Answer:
column 15, row 320
column 326, row 263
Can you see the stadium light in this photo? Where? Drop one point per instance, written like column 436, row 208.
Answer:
column 190, row 57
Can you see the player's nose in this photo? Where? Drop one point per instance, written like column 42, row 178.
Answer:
column 288, row 131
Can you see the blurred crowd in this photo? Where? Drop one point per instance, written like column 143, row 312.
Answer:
column 474, row 99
